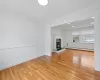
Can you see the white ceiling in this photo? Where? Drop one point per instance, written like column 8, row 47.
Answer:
column 81, row 24
column 81, row 27
column 54, row 10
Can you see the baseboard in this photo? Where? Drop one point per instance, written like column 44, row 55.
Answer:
column 97, row 69
column 11, row 65
column 81, row 49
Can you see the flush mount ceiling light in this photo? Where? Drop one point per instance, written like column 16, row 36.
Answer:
column 73, row 26
column 43, row 2
column 69, row 23
column 93, row 17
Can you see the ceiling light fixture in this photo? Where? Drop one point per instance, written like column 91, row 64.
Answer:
column 93, row 17
column 43, row 2
column 68, row 23
column 73, row 26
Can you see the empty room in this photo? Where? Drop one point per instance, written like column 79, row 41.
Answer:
column 49, row 39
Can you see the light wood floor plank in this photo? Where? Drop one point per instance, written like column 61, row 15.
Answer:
column 67, row 65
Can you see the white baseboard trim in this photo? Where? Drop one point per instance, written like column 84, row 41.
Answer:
column 80, row 49
column 97, row 69
column 60, row 51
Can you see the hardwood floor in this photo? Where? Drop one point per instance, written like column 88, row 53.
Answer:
column 67, row 65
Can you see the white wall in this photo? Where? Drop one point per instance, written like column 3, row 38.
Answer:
column 97, row 42
column 68, row 36
column 40, row 39
column 20, row 40
column 48, row 42
column 16, row 31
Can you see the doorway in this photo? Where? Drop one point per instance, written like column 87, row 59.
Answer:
column 78, row 34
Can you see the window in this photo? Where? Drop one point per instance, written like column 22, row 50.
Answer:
column 87, row 39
